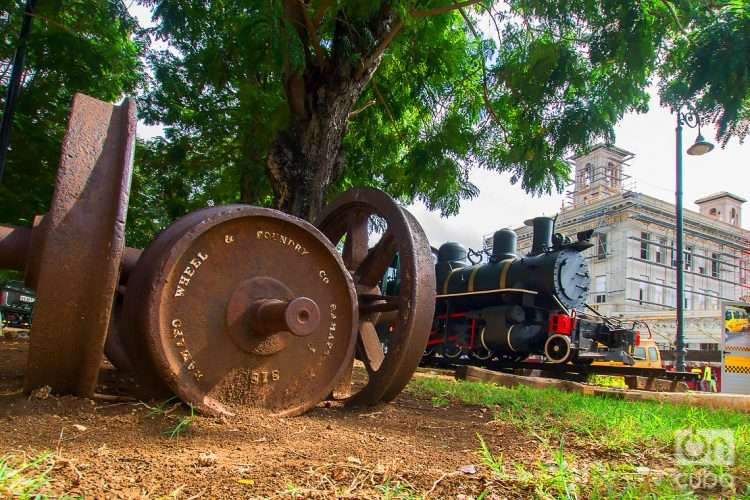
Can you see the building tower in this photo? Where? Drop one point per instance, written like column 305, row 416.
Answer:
column 599, row 174
column 722, row 206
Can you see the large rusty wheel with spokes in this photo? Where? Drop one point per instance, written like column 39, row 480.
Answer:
column 393, row 327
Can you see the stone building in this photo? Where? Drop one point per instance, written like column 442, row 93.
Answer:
column 632, row 263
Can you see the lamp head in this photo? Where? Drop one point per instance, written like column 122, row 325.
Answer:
column 700, row 147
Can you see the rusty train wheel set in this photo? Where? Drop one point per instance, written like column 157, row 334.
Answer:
column 229, row 306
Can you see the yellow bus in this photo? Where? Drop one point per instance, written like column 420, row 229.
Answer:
column 735, row 320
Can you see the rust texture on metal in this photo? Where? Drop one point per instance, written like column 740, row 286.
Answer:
column 14, row 244
column 392, row 357
column 240, row 305
column 85, row 230
column 113, row 346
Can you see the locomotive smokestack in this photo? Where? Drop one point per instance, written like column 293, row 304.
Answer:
column 542, row 234
column 503, row 245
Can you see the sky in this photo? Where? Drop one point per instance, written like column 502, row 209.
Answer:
column 650, row 137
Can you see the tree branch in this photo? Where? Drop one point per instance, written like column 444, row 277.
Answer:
column 312, row 36
column 294, row 12
column 382, row 101
column 376, row 54
column 322, row 8
column 485, row 90
column 673, row 13
column 389, row 35
column 442, row 10
column 358, row 111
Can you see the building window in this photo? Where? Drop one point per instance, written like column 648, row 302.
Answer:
column 588, row 174
column 600, row 289
column 671, row 296
column 688, row 298
column 660, row 295
column 673, row 253
column 661, row 250
column 715, row 265
column 700, row 262
column 643, row 290
column 688, row 258
column 601, row 247
column 709, row 347
column 645, row 246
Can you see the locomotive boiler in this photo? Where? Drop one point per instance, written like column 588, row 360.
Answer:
column 512, row 306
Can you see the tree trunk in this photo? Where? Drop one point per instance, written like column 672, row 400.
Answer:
column 307, row 157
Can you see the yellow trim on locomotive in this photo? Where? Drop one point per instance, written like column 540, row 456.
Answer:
column 471, row 278
column 504, row 271
column 448, row 279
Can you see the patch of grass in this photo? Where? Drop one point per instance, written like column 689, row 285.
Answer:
column 396, row 490
column 617, row 425
column 494, row 462
column 293, row 490
column 608, row 381
column 162, row 408
column 165, row 409
column 184, row 424
column 24, row 478
column 440, row 401
column 559, row 479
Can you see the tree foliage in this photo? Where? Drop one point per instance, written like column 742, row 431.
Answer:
column 75, row 46
column 246, row 87
column 709, row 66
column 286, row 102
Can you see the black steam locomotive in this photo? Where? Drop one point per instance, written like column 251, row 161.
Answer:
column 512, row 307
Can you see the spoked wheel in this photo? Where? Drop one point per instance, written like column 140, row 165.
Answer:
column 406, row 302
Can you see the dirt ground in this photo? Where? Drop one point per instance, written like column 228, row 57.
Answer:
column 120, row 450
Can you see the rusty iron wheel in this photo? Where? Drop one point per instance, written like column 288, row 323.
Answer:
column 240, row 305
column 404, row 318
column 74, row 254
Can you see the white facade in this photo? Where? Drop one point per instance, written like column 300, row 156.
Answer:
column 632, row 263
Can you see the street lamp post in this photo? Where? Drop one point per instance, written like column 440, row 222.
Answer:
column 701, row 146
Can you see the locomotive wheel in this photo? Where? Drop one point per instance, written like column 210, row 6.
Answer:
column 558, row 349
column 409, row 311
column 240, row 305
column 481, row 352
